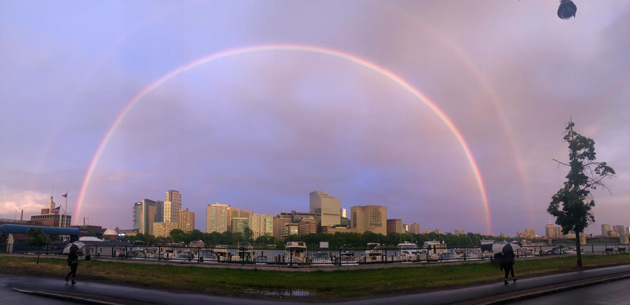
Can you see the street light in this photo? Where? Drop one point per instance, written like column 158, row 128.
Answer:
column 567, row 9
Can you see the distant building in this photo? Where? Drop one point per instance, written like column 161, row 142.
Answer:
column 163, row 229
column 51, row 217
column 460, row 232
column 551, row 231
column 414, row 228
column 394, row 226
column 216, row 217
column 371, row 218
column 406, row 228
column 279, row 223
column 307, row 226
column 621, row 230
column 437, row 231
column 425, row 232
column 172, row 206
column 337, row 229
column 186, row 220
column 290, row 229
column 148, row 212
column 605, row 229
column 530, row 233
column 261, row 225
column 329, row 207
column 239, row 224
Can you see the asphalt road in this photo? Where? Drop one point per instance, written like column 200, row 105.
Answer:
column 140, row 295
column 617, row 293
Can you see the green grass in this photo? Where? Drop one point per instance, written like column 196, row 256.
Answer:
column 350, row 283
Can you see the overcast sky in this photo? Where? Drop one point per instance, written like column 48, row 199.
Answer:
column 260, row 130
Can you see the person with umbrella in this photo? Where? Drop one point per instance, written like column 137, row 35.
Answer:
column 73, row 259
column 508, row 260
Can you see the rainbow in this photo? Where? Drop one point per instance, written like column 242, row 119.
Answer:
column 294, row 48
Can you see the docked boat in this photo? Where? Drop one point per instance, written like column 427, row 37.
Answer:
column 434, row 249
column 245, row 252
column 223, row 253
column 295, row 252
column 410, row 252
column 373, row 254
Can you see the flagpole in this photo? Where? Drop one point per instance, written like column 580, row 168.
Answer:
column 66, row 210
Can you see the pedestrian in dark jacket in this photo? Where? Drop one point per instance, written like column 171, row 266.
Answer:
column 73, row 262
column 508, row 265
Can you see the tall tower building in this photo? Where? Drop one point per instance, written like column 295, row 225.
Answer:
column 261, row 225
column 137, row 214
column 150, row 212
column 51, row 204
column 186, row 220
column 172, row 206
column 328, row 206
column 216, row 217
column 371, row 218
column 605, row 229
column 550, row 231
column 414, row 228
column 279, row 223
column 394, row 226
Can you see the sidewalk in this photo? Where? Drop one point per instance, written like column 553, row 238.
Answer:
column 96, row 293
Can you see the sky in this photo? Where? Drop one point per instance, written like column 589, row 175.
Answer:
column 450, row 113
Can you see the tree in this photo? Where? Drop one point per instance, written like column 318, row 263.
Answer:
column 572, row 204
column 38, row 239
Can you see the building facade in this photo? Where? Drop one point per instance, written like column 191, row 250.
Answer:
column 239, row 224
column 186, row 220
column 172, row 206
column 261, row 225
column 328, row 206
column 394, row 226
column 150, row 212
column 371, row 218
column 216, row 217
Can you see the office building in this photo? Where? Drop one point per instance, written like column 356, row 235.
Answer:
column 328, row 206
column 238, row 224
column 163, row 229
column 394, row 226
column 307, row 226
column 605, row 229
column 172, row 206
column 186, row 220
column 459, row 232
column 279, row 223
column 371, row 218
column 149, row 212
column 621, row 230
column 261, row 225
column 414, row 228
column 217, row 217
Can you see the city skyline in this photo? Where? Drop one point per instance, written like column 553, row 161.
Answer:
column 448, row 113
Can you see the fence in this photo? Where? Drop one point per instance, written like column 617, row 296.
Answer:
column 318, row 257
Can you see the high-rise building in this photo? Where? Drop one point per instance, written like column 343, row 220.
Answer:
column 232, row 212
column 551, row 231
column 329, row 207
column 371, row 218
column 137, row 214
column 186, row 220
column 239, row 224
column 216, row 217
column 150, row 212
column 172, row 206
column 605, row 229
column 530, row 233
column 415, row 228
column 261, row 225
column 621, row 230
column 459, row 232
column 279, row 223
column 394, row 226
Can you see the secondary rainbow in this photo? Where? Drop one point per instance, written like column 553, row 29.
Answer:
column 294, row 48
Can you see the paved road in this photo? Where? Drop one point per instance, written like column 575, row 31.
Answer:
column 617, row 292
column 439, row 297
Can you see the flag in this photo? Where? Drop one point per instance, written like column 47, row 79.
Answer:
column 56, row 210
column 65, row 195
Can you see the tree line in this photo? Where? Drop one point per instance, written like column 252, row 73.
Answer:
column 335, row 241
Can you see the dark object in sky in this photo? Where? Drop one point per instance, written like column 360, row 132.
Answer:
column 567, row 9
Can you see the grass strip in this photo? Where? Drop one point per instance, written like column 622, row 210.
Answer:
column 322, row 285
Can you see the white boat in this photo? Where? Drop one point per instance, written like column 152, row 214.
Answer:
column 373, row 254
column 434, row 249
column 410, row 252
column 245, row 253
column 295, row 252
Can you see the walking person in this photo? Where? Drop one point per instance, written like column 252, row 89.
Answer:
column 88, row 259
column 73, row 262
column 508, row 265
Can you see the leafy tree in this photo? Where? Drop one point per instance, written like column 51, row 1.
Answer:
column 178, row 236
column 38, row 239
column 248, row 234
column 572, row 204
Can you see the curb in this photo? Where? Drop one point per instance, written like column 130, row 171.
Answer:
column 64, row 297
column 554, row 290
